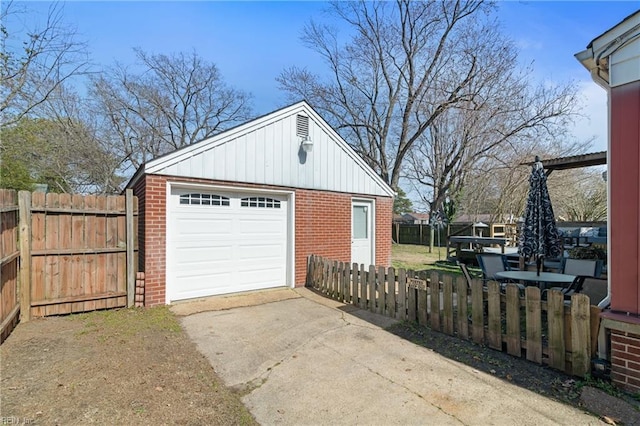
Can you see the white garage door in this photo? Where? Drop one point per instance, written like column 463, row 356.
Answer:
column 224, row 242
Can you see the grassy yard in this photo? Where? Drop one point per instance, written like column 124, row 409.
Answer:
column 418, row 258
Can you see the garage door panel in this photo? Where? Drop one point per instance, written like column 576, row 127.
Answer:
column 267, row 226
column 224, row 249
column 267, row 277
column 199, row 261
column 204, row 226
column 261, row 253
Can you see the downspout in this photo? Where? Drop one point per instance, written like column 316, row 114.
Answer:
column 593, row 64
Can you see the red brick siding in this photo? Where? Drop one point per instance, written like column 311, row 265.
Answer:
column 384, row 217
column 153, row 238
column 625, row 360
column 322, row 226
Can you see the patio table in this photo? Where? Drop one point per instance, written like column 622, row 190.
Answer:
column 533, row 277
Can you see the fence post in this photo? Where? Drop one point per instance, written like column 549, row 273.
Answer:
column 131, row 269
column 24, row 206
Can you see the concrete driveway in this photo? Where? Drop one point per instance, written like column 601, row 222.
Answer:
column 299, row 358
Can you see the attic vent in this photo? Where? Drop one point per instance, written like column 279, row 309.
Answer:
column 302, row 125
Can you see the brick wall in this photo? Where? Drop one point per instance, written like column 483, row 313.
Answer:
column 625, row 360
column 323, row 227
column 384, row 217
column 152, row 193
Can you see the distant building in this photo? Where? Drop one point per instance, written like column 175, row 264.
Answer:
column 413, row 218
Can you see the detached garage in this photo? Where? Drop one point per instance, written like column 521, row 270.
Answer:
column 244, row 209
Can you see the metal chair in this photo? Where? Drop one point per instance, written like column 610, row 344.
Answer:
column 492, row 263
column 465, row 272
column 585, row 267
column 575, row 287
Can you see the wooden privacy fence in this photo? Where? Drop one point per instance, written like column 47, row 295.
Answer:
column 9, row 258
column 78, row 253
column 547, row 332
column 75, row 254
column 408, row 233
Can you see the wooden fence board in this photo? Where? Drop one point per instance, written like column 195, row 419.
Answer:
column 64, row 262
column 364, row 286
column 371, row 278
column 595, row 326
column 52, row 266
column 434, row 290
column 533, row 324
column 494, row 331
column 131, row 260
column 462, row 307
column 391, row 293
column 401, row 301
column 347, row 283
column 337, row 280
column 380, row 286
column 580, row 335
column 77, row 243
column 555, row 318
column 10, row 301
column 514, row 346
column 38, row 275
column 121, row 257
column 91, row 274
column 447, row 308
column 412, row 301
column 422, row 306
column 355, row 288
column 477, row 312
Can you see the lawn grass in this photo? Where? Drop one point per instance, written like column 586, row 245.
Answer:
column 418, row 258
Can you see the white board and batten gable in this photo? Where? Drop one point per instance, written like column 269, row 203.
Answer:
column 268, row 151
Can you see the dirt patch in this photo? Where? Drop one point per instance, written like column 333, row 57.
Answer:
column 112, row 367
column 537, row 378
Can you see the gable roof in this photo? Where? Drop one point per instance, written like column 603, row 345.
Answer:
column 612, row 57
column 267, row 150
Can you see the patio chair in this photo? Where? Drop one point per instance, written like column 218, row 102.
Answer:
column 492, row 263
column 465, row 272
column 575, row 287
column 585, row 267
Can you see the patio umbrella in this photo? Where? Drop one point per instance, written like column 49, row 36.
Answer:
column 539, row 235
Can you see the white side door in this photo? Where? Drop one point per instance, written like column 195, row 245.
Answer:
column 362, row 232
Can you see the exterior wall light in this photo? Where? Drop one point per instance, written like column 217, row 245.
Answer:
column 307, row 144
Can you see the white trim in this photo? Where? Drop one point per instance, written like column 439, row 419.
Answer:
column 374, row 215
column 290, row 278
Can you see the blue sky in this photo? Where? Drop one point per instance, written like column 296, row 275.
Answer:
column 252, row 42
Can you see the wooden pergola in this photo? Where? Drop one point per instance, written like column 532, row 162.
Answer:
column 572, row 162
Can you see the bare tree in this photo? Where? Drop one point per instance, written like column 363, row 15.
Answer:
column 34, row 66
column 173, row 101
column 503, row 118
column 406, row 64
column 92, row 166
column 579, row 195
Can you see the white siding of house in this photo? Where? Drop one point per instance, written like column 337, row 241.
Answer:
column 266, row 151
column 624, row 65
